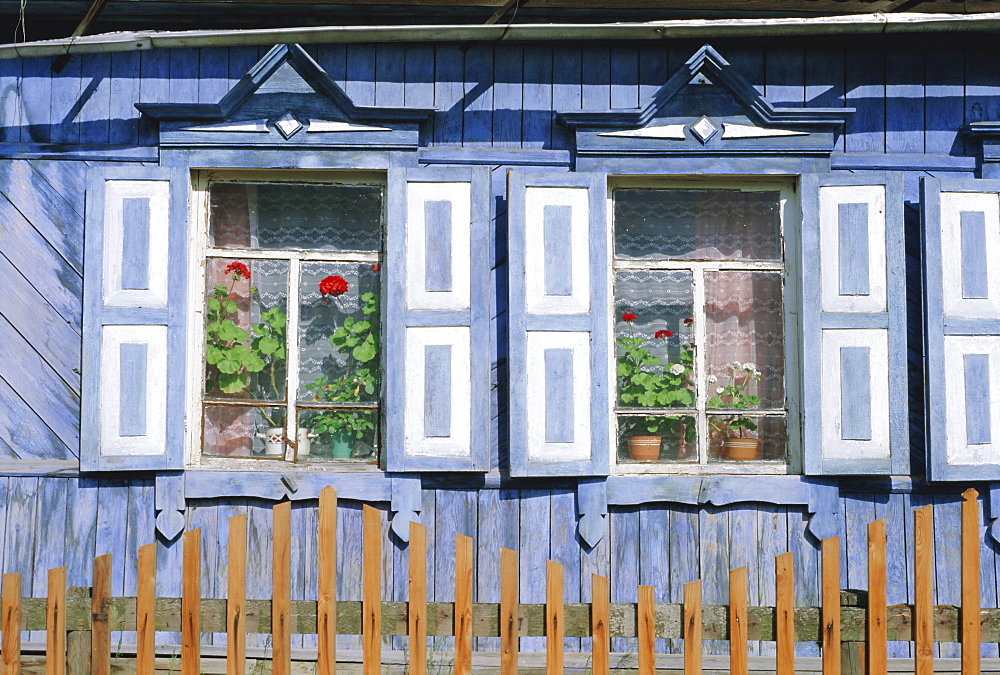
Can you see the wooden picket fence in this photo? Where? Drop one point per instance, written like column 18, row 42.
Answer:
column 79, row 623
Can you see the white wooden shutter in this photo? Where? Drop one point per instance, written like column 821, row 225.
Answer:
column 853, row 366
column 135, row 272
column 560, row 307
column 437, row 399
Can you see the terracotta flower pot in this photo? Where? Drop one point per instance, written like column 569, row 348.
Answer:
column 740, row 449
column 645, row 448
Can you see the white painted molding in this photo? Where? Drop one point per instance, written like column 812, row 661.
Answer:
column 459, row 195
column 325, row 126
column 957, row 450
column 750, row 131
column 158, row 194
column 952, row 205
column 154, row 441
column 830, row 198
column 253, row 126
column 538, row 449
column 669, row 131
column 535, row 201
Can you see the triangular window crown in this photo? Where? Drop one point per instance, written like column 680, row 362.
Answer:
column 706, row 107
column 286, row 100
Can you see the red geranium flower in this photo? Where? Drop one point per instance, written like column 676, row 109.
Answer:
column 334, row 286
column 688, row 321
column 628, row 316
column 664, row 334
column 238, row 270
column 375, row 267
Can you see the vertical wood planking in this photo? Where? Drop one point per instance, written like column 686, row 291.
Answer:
column 100, row 608
column 923, row 587
column 537, row 115
column 93, row 115
column 624, row 76
column 980, row 90
column 463, row 604
column 738, row 621
column 191, row 604
column 692, row 627
column 65, row 101
column 123, row 116
column 947, row 561
column 36, row 105
column 55, row 624
column 389, row 74
column 10, row 608
column 371, row 611
column 772, row 533
column 508, row 103
column 904, row 102
column 533, row 552
column 50, row 536
column 205, row 516
column 553, row 618
column 477, row 118
column 154, row 86
column 417, row 607
column 744, row 551
column 830, row 609
column 326, row 604
column 600, row 615
column 806, row 557
column 350, row 572
column 654, row 565
column 646, row 628
column 865, row 130
column 19, row 534
column 10, row 100
column 943, row 101
column 971, row 630
column 508, row 612
column 625, row 555
column 449, row 86
column 596, row 77
column 141, row 526
column 281, row 593
column 567, row 66
column 564, row 548
column 419, row 76
column 361, row 74
column 236, row 593
column 784, row 71
column 145, row 611
column 496, row 529
column 784, row 630
column 876, row 628
column 824, row 81
column 713, row 541
column 683, row 560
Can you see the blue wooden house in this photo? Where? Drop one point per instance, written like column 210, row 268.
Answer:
column 651, row 300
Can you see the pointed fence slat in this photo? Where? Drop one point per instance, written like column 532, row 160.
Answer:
column 10, row 607
column 508, row 612
column 971, row 631
column 326, row 604
column 417, row 609
column 784, row 582
column 463, row 604
column 738, row 621
column 371, row 591
column 281, row 589
column 600, row 618
column 692, row 628
column 55, row 623
column 646, row 626
column 191, row 604
column 553, row 618
column 830, row 599
column 236, row 604
column 923, row 587
column 145, row 611
column 877, row 649
column 100, row 609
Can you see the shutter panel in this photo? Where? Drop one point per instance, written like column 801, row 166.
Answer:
column 135, row 298
column 961, row 227
column 560, row 358
column 437, row 398
column 854, row 396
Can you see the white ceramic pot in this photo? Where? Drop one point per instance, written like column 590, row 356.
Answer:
column 274, row 441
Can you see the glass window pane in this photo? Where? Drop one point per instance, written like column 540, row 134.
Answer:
column 653, row 342
column 742, row 438
column 241, row 431
column 296, row 216
column 657, row 438
column 339, row 434
column 245, row 313
column 745, row 348
column 339, row 332
column 697, row 224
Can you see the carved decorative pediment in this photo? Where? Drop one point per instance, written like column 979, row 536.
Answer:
column 287, row 100
column 706, row 107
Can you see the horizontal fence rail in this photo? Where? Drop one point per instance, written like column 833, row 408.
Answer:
column 78, row 622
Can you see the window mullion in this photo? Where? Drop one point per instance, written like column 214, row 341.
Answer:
column 700, row 335
column 292, row 357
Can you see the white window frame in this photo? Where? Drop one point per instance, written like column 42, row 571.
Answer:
column 791, row 216
column 200, row 251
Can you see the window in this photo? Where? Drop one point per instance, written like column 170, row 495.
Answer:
column 292, row 317
column 700, row 326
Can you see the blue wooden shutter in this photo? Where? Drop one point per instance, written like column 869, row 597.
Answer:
column 437, row 397
column 134, row 320
column 961, row 227
column 853, row 365
column 560, row 360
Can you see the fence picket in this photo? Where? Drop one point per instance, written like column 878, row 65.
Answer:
column 236, row 604
column 55, row 623
column 191, row 604
column 145, row 611
column 554, row 629
column 281, row 584
column 876, row 625
column 692, row 628
column 646, row 625
column 830, row 601
column 971, row 632
column 371, row 593
column 417, row 614
column 463, row 604
column 10, row 607
column 508, row 612
column 100, row 609
column 784, row 630
column 923, row 586
column 738, row 644
column 326, row 604
column 600, row 631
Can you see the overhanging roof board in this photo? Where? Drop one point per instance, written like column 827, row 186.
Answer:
column 854, row 24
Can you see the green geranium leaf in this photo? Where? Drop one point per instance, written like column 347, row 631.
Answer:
column 268, row 345
column 232, row 383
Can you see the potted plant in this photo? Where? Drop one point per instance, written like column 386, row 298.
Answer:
column 647, row 381
column 357, row 341
column 737, row 446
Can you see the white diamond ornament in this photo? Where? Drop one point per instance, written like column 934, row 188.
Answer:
column 703, row 129
column 287, row 125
